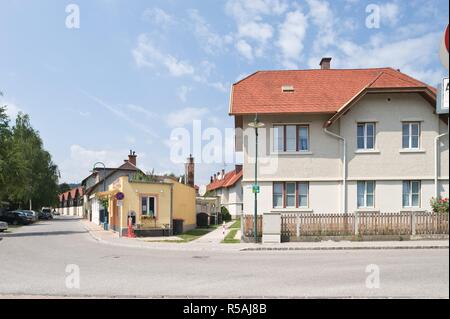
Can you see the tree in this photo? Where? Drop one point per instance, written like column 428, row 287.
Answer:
column 64, row 187
column 27, row 171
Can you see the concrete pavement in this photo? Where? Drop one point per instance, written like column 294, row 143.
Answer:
column 35, row 259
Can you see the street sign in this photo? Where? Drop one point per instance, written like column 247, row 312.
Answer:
column 443, row 98
column 120, row 203
column 120, row 196
column 256, row 189
column 444, row 49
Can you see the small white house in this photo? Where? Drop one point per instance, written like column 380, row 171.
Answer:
column 228, row 187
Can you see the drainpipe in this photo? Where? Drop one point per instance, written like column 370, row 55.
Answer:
column 344, row 169
column 171, row 211
column 436, row 164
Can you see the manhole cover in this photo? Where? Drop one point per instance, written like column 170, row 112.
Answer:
column 201, row 257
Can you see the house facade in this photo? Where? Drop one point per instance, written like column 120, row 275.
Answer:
column 151, row 204
column 71, row 203
column 99, row 181
column 341, row 141
column 228, row 187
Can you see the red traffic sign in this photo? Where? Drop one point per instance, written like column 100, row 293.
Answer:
column 445, row 49
column 120, row 196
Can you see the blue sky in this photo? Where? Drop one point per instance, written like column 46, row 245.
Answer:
column 135, row 69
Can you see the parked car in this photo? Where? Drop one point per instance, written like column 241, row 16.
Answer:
column 16, row 218
column 3, row 226
column 34, row 215
column 45, row 215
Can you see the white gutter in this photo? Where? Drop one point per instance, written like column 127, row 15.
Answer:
column 344, row 169
column 437, row 164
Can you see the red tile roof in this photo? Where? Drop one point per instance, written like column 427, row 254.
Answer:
column 316, row 91
column 229, row 180
column 73, row 193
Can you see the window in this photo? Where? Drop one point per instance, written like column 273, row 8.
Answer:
column 366, row 136
column 278, row 195
column 411, row 135
column 303, row 138
column 303, row 194
column 148, row 206
column 366, row 194
column 291, row 195
column 291, row 138
column 411, row 193
column 278, row 138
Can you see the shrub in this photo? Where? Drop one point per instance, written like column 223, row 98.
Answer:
column 226, row 216
column 440, row 205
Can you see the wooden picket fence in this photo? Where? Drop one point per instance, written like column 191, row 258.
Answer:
column 295, row 225
column 248, row 226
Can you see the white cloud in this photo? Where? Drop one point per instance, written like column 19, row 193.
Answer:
column 323, row 18
column 80, row 163
column 12, row 110
column 292, row 35
column 253, row 32
column 209, row 40
column 412, row 56
column 245, row 49
column 390, row 13
column 185, row 116
column 147, row 55
column 158, row 17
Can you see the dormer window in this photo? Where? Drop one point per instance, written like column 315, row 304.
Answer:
column 288, row 89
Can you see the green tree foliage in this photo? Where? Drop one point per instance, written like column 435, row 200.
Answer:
column 27, row 171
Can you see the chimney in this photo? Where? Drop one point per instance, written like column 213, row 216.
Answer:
column 211, row 179
column 223, row 174
column 215, row 177
column 190, row 171
column 325, row 64
column 238, row 168
column 132, row 158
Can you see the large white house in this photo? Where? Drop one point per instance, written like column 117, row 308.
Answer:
column 341, row 141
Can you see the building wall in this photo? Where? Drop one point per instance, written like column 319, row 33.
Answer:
column 184, row 205
column 322, row 167
column 390, row 161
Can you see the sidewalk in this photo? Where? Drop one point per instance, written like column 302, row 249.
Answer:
column 212, row 242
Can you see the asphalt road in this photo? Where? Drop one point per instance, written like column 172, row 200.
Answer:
column 34, row 260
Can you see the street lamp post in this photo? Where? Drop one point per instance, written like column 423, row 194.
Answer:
column 104, row 182
column 256, row 124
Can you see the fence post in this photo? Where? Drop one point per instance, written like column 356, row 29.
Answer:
column 298, row 225
column 356, row 223
column 242, row 227
column 413, row 223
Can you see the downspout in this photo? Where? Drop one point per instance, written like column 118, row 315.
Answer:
column 437, row 164
column 344, row 169
column 171, row 210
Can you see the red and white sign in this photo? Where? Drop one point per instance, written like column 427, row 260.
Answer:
column 444, row 49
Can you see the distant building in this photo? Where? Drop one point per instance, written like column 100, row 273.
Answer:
column 228, row 187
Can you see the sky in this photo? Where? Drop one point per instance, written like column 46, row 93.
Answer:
column 102, row 77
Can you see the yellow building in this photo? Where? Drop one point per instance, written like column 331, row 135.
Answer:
column 152, row 204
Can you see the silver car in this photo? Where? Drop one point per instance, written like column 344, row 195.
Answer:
column 3, row 226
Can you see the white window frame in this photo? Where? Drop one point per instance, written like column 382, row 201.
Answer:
column 366, row 194
column 155, row 199
column 410, row 135
column 283, row 147
column 278, row 194
column 411, row 194
column 291, row 195
column 366, row 135
column 307, row 194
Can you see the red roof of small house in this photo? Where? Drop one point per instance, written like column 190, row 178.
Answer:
column 315, row 91
column 229, row 180
column 73, row 193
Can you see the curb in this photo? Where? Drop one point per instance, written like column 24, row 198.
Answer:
column 343, row 248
